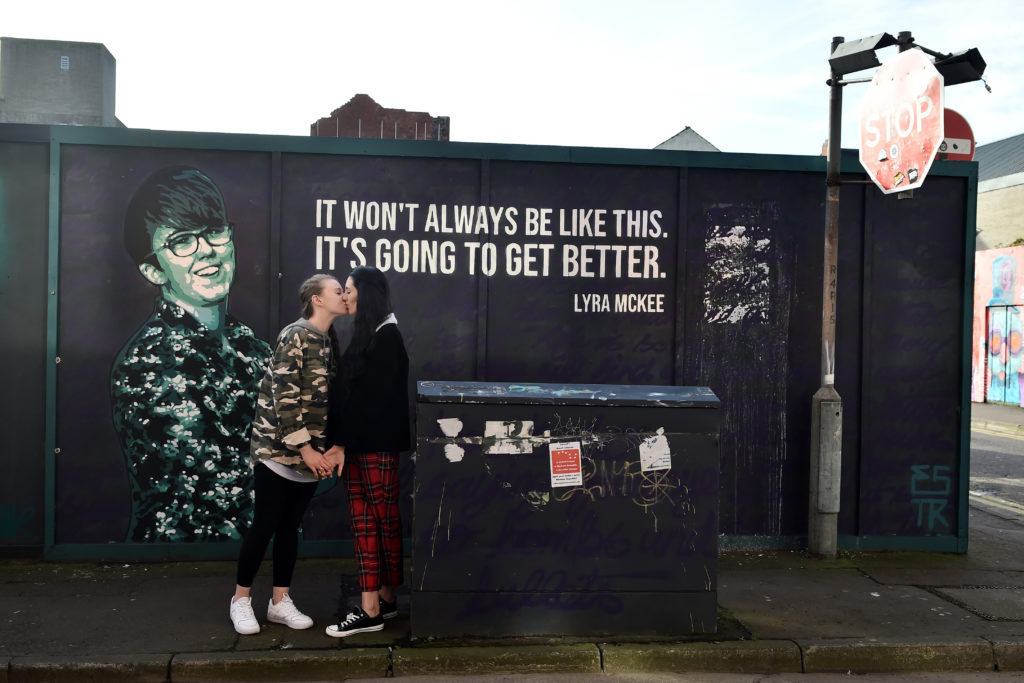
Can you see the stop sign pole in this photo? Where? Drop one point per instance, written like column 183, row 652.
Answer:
column 902, row 126
column 826, row 404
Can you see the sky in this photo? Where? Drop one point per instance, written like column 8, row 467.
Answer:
column 747, row 75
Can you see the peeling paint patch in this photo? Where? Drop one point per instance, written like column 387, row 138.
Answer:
column 655, row 453
column 738, row 274
column 454, row 453
column 500, row 441
column 511, row 437
column 450, row 426
column 509, row 428
column 753, row 438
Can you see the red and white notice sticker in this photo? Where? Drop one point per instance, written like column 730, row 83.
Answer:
column 566, row 464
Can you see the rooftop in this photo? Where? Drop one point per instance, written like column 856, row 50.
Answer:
column 1001, row 158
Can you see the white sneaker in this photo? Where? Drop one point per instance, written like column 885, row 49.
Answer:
column 243, row 618
column 285, row 612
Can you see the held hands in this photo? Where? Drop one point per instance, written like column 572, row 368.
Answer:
column 335, row 457
column 315, row 461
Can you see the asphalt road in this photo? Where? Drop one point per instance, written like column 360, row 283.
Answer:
column 997, row 475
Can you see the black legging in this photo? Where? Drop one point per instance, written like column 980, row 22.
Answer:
column 277, row 512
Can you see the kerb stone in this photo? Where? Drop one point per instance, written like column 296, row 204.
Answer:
column 1009, row 654
column 280, row 665
column 111, row 668
column 584, row 658
column 861, row 657
column 762, row 656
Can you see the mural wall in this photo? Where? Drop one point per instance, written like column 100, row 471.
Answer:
column 176, row 258
column 170, row 369
column 997, row 373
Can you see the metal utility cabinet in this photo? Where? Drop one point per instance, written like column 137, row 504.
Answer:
column 550, row 509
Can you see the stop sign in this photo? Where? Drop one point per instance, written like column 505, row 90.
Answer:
column 901, row 122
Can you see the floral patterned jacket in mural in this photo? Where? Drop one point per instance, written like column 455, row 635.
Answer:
column 183, row 402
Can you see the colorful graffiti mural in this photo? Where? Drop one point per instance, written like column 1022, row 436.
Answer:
column 997, row 372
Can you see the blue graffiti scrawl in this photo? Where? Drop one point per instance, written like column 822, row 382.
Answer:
column 14, row 521
column 183, row 388
column 930, row 487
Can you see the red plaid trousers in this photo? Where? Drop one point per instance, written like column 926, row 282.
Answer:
column 371, row 480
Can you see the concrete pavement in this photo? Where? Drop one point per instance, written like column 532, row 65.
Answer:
column 998, row 417
column 779, row 612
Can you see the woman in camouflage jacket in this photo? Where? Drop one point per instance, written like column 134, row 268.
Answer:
column 287, row 449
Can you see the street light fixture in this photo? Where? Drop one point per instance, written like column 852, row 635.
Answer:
column 857, row 55
column 962, row 67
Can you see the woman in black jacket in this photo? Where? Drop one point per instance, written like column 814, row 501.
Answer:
column 368, row 425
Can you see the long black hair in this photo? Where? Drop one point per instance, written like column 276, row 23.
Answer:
column 373, row 305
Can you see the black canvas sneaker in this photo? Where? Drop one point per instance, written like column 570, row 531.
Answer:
column 388, row 610
column 357, row 621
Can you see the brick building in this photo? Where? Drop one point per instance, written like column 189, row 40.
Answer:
column 361, row 117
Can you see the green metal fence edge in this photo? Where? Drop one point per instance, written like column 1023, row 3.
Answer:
column 133, row 137
column 84, row 135
column 210, row 552
column 934, row 544
column 970, row 244
column 52, row 291
column 187, row 552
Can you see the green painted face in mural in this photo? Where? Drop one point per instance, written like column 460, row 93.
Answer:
column 195, row 267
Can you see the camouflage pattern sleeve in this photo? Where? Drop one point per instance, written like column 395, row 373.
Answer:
column 292, row 406
column 288, row 390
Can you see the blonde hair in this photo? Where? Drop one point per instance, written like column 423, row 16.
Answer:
column 311, row 287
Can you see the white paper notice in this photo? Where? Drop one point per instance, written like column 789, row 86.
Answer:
column 566, row 464
column 654, row 453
